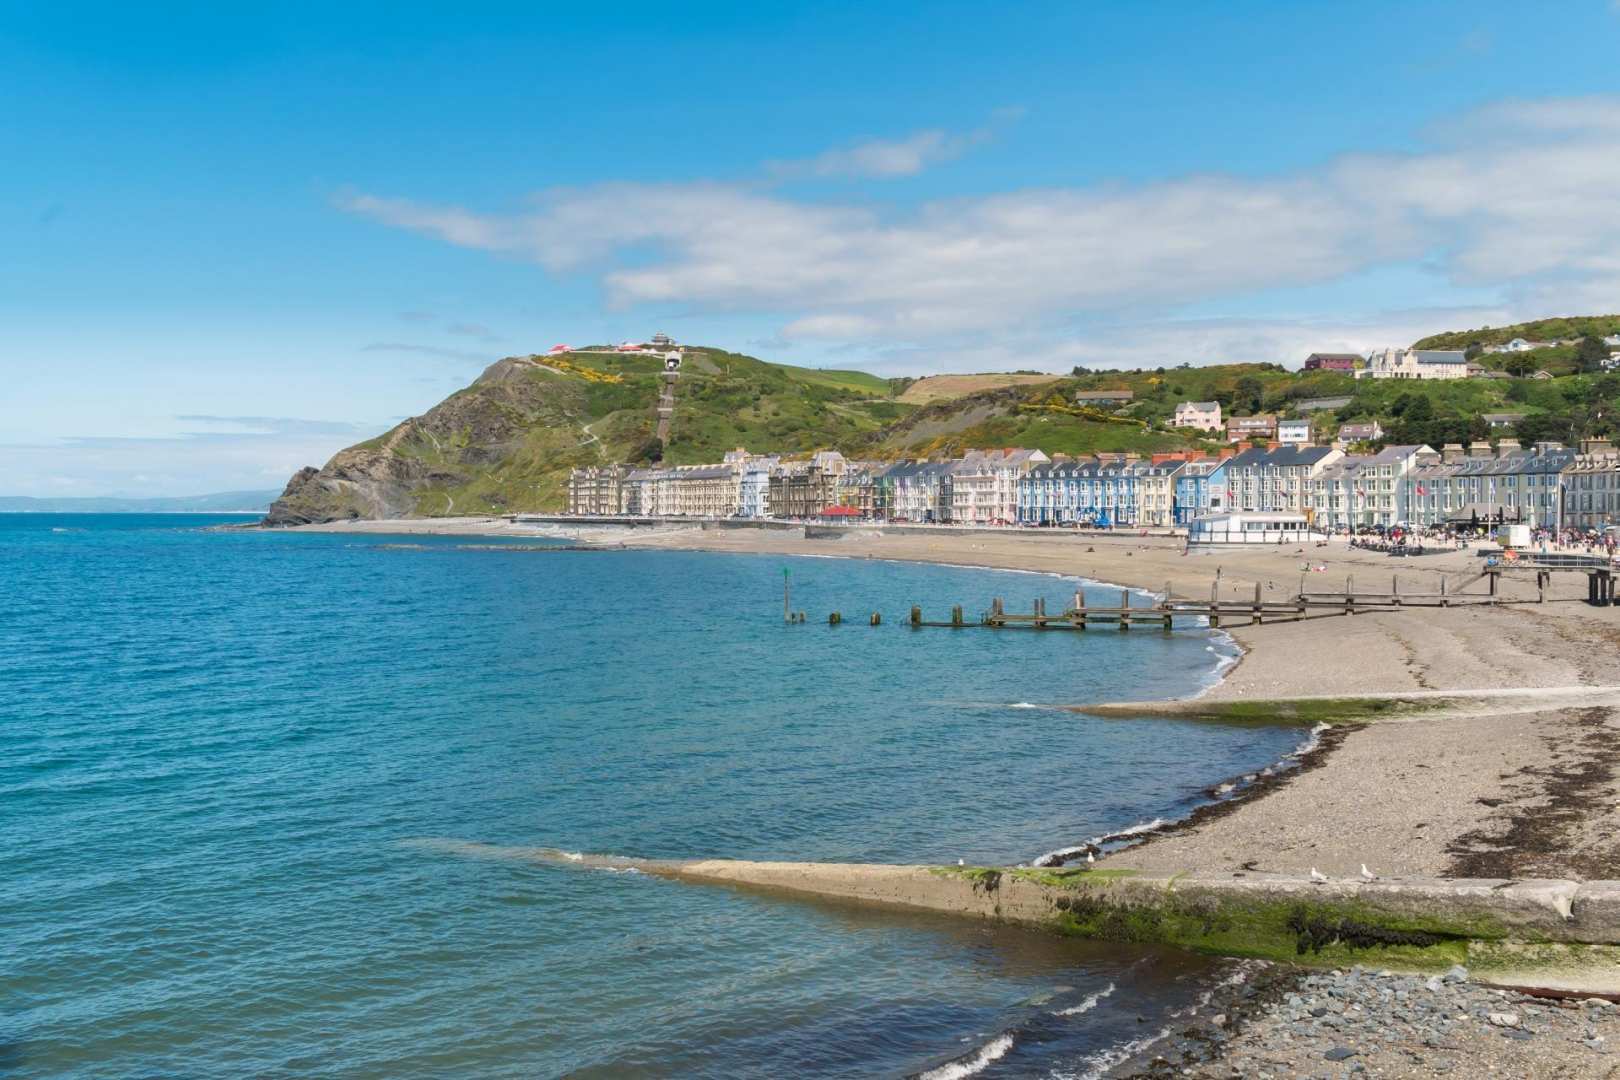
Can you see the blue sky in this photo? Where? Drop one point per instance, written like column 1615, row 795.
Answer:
column 232, row 242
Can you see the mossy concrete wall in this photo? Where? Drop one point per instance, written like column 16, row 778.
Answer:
column 1409, row 924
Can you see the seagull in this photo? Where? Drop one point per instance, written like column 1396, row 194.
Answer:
column 1090, row 858
column 1317, row 877
column 961, row 862
column 1366, row 874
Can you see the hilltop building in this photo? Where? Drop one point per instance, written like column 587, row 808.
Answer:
column 1333, row 361
column 1415, row 364
column 1370, row 431
column 1106, row 399
column 1294, row 432
column 1203, row 415
column 1251, row 427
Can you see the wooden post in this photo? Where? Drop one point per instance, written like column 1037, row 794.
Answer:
column 1494, row 575
column 834, row 619
column 1541, row 586
column 1125, row 609
column 916, row 615
column 1257, row 616
column 1445, row 601
column 787, row 611
column 877, row 619
column 1395, row 589
column 1080, row 608
column 1350, row 594
column 1040, row 613
column 956, row 615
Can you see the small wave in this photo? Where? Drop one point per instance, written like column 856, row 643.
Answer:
column 1312, row 741
column 1135, row 830
column 1088, row 1004
column 1226, row 788
column 1095, row 844
column 974, row 1063
column 1023, row 705
column 1098, row 1064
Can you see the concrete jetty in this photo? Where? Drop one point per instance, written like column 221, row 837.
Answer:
column 1546, row 933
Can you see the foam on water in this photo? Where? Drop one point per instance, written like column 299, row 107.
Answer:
column 974, row 1063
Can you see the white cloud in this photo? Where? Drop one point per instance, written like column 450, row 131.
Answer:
column 1516, row 199
column 883, row 158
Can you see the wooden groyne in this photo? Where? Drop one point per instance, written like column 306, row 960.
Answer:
column 1162, row 610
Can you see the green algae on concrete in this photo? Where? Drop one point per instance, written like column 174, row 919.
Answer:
column 1072, row 877
column 1269, row 712
column 1325, row 934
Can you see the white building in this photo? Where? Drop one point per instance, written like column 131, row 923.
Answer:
column 1294, row 432
column 1477, row 486
column 1203, row 415
column 754, row 487
column 984, row 485
column 1415, row 364
column 1519, row 344
column 1365, row 490
column 1239, row 527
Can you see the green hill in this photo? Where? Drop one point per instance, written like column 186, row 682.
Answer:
column 1561, row 329
column 508, row 441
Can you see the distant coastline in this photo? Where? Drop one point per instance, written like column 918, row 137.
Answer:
column 223, row 502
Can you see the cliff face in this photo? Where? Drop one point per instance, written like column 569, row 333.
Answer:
column 420, row 465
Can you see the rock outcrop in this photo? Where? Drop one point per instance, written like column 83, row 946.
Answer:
column 454, row 444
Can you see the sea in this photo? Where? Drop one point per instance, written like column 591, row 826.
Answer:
column 264, row 797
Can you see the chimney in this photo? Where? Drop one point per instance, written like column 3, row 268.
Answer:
column 1506, row 447
column 1479, row 448
column 1451, row 453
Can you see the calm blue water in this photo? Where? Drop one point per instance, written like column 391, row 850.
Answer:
column 226, row 760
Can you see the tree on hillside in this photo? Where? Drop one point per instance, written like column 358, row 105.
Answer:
column 1519, row 365
column 1591, row 354
column 1546, row 427
column 1420, row 410
column 1248, row 394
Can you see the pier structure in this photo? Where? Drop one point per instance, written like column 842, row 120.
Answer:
column 1163, row 610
